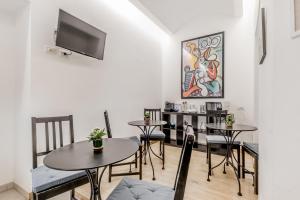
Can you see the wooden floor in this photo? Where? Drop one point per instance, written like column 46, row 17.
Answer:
column 221, row 187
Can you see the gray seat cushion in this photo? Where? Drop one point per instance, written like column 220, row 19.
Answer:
column 44, row 178
column 252, row 146
column 155, row 135
column 132, row 189
column 218, row 139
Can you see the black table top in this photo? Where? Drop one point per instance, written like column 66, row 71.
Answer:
column 81, row 156
column 235, row 127
column 150, row 123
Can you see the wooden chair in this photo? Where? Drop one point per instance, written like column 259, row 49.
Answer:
column 252, row 150
column 156, row 135
column 47, row 183
column 215, row 140
column 135, row 189
column 135, row 161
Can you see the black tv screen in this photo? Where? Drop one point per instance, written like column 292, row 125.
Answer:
column 78, row 36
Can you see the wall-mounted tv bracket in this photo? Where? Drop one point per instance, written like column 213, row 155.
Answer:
column 55, row 49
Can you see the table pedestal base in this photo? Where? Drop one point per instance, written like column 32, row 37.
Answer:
column 95, row 183
column 229, row 157
column 147, row 148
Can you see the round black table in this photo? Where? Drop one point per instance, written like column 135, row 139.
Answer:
column 147, row 129
column 81, row 156
column 230, row 134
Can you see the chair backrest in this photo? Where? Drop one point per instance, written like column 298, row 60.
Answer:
column 108, row 129
column 46, row 121
column 183, row 166
column 155, row 114
column 213, row 106
column 215, row 116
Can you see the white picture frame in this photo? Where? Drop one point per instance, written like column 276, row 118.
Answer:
column 295, row 18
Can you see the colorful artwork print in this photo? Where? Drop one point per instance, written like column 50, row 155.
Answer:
column 202, row 67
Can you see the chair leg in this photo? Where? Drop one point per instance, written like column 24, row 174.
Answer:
column 109, row 173
column 160, row 152
column 256, row 176
column 141, row 162
column 130, row 171
column 243, row 162
column 163, row 154
column 229, row 154
column 135, row 160
column 72, row 195
column 145, row 152
column 239, row 161
column 209, row 162
column 206, row 153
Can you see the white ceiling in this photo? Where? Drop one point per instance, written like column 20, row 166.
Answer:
column 173, row 14
column 12, row 5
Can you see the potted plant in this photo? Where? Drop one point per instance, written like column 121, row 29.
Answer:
column 96, row 137
column 147, row 117
column 229, row 120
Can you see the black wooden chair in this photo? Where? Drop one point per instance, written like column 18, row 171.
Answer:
column 252, row 150
column 213, row 106
column 134, row 162
column 134, row 189
column 156, row 135
column 215, row 141
column 47, row 183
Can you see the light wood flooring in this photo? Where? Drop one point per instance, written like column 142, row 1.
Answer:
column 221, row 187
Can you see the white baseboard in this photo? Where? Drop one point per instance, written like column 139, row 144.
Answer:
column 18, row 188
column 23, row 192
column 6, row 187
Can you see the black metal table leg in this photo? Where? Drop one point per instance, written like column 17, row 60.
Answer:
column 229, row 157
column 95, row 183
column 147, row 131
column 94, row 188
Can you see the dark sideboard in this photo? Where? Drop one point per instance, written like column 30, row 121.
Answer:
column 179, row 128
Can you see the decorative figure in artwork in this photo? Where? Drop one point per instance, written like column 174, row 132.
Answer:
column 194, row 54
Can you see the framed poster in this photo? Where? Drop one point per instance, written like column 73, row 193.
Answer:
column 261, row 42
column 295, row 15
column 202, row 67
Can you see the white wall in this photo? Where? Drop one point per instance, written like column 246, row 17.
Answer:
column 126, row 81
column 239, row 60
column 7, row 96
column 23, row 152
column 279, row 110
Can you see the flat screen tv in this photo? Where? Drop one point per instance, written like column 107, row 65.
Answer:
column 78, row 36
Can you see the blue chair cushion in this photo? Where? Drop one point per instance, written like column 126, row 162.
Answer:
column 252, row 146
column 132, row 189
column 218, row 139
column 155, row 135
column 44, row 178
